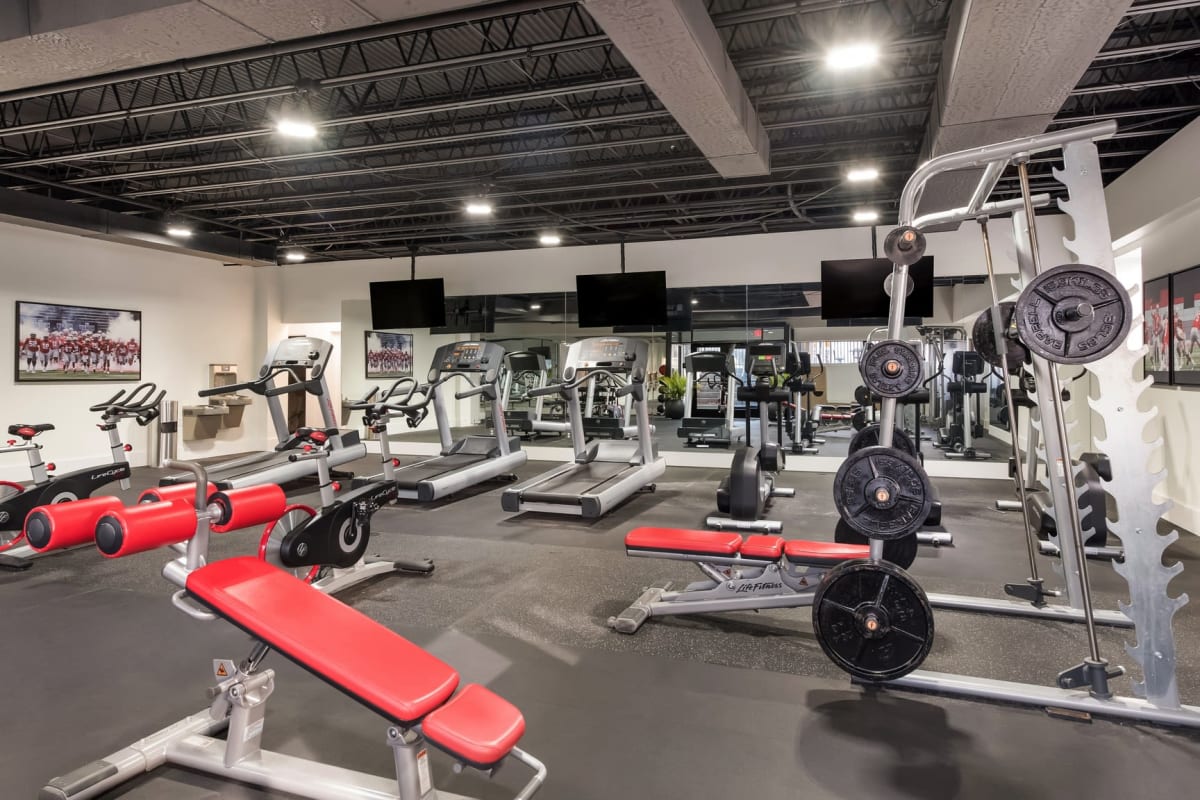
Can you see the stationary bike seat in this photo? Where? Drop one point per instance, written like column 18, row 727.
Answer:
column 27, row 432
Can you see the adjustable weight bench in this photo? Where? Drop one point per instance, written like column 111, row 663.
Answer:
column 748, row 574
column 412, row 689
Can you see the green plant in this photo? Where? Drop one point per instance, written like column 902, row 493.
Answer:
column 779, row 380
column 672, row 387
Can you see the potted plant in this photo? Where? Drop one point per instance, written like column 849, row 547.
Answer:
column 671, row 389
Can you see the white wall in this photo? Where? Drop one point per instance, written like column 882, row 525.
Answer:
column 195, row 312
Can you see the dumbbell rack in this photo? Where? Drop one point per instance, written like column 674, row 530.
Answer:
column 1151, row 608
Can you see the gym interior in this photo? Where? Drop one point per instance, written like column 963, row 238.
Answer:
column 615, row 398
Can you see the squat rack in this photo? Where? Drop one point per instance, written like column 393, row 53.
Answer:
column 1151, row 608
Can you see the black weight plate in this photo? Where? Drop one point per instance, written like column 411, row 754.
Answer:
column 882, row 493
column 858, row 420
column 869, row 437
column 891, row 368
column 901, row 552
column 1074, row 314
column 862, row 395
column 873, row 620
column 983, row 337
column 904, row 245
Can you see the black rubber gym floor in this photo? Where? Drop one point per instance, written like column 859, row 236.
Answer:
column 706, row 707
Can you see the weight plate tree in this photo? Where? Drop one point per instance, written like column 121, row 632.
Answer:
column 983, row 337
column 869, row 437
column 1073, row 314
column 891, row 368
column 901, row 552
column 882, row 493
column 873, row 620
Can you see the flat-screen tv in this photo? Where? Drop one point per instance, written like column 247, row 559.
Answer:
column 468, row 314
column 408, row 304
column 626, row 299
column 853, row 289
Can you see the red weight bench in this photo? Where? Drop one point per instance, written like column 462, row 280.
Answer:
column 740, row 574
column 412, row 689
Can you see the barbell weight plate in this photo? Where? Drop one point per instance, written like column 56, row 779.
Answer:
column 869, row 437
column 891, row 368
column 904, row 245
column 858, row 420
column 983, row 337
column 873, row 620
column 862, row 395
column 882, row 493
column 1073, row 314
column 901, row 552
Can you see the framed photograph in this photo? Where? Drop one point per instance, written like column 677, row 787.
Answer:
column 389, row 355
column 77, row 343
column 1185, row 327
column 1156, row 328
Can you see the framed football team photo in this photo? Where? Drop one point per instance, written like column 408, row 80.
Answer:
column 389, row 355
column 1156, row 328
column 77, row 343
column 1185, row 322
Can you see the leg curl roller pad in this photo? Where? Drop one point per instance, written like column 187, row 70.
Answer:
column 242, row 508
column 65, row 525
column 181, row 491
column 122, row 532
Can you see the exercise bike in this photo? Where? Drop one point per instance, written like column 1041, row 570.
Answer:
column 327, row 546
column 746, row 492
column 16, row 500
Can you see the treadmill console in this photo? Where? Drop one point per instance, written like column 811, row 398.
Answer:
column 485, row 357
column 609, row 353
column 764, row 359
column 710, row 362
column 525, row 361
column 298, row 351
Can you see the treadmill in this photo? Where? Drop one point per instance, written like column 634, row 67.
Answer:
column 472, row 459
column 304, row 360
column 529, row 422
column 711, row 378
column 604, row 473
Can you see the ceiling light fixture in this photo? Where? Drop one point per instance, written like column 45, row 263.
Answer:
column 695, row 302
column 535, row 306
column 179, row 230
column 852, row 56
column 296, row 128
column 866, row 215
column 549, row 239
column 862, row 174
column 295, row 256
column 479, row 208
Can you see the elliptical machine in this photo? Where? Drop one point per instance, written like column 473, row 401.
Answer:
column 746, row 492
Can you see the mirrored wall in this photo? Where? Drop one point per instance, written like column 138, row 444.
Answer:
column 726, row 319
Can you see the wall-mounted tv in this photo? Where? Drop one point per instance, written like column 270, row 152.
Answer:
column 408, row 304
column 853, row 289
column 468, row 314
column 627, row 299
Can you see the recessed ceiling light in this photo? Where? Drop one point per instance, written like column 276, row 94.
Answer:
column 479, row 208
column 296, row 128
column 866, row 215
column 862, row 174
column 550, row 239
column 695, row 302
column 179, row 231
column 535, row 306
column 852, row 56
column 295, row 256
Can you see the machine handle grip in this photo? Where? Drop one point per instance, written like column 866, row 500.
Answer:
column 320, row 452
column 485, row 388
column 546, row 391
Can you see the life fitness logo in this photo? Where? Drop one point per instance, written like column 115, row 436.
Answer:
column 4, row 517
column 105, row 474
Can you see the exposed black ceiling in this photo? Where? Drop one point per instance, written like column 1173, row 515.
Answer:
column 530, row 103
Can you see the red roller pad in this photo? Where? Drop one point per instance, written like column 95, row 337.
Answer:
column 63, row 525
column 252, row 505
column 181, row 491
column 122, row 532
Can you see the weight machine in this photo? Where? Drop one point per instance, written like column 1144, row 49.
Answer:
column 1071, row 314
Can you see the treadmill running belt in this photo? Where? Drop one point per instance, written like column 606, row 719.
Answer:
column 409, row 477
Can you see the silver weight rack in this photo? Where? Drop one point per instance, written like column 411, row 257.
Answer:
column 1084, row 687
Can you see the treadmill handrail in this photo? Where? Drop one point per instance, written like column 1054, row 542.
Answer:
column 590, row 373
column 262, row 386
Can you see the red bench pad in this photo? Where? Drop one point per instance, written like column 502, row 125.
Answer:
column 477, row 727
column 760, row 546
column 801, row 551
column 675, row 540
column 352, row 652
